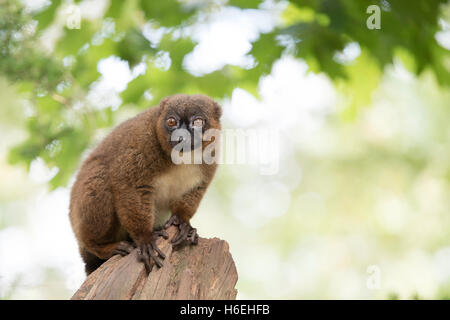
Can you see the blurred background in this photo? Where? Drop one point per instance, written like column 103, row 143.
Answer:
column 359, row 207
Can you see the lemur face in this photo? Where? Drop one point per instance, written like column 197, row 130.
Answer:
column 184, row 119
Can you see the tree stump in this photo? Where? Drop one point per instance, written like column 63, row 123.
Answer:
column 202, row 271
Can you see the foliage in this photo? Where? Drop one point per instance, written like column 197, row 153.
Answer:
column 64, row 121
column 19, row 60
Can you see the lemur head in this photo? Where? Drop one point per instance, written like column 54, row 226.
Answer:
column 184, row 118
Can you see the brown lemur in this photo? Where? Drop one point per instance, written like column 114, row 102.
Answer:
column 127, row 187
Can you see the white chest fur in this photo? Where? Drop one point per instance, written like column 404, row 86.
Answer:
column 171, row 186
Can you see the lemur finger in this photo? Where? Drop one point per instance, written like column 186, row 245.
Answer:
column 163, row 233
column 120, row 252
column 196, row 238
column 182, row 235
column 124, row 248
column 173, row 220
column 178, row 236
column 158, row 251
column 193, row 236
column 144, row 258
column 157, row 261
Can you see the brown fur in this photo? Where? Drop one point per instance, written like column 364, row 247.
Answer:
column 128, row 182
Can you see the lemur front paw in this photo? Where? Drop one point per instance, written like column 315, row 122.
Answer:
column 173, row 221
column 151, row 250
column 187, row 232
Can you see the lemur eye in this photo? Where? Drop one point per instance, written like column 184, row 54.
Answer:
column 171, row 122
column 198, row 122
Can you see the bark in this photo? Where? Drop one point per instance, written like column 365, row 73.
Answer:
column 204, row 271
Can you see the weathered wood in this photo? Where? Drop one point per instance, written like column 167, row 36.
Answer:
column 204, row 271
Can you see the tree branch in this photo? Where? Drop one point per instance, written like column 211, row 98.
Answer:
column 204, row 271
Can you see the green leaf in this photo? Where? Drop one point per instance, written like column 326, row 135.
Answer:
column 47, row 15
column 167, row 13
column 317, row 45
column 266, row 50
column 25, row 152
column 126, row 14
column 115, row 9
column 135, row 89
column 85, row 68
column 177, row 48
column 363, row 77
column 72, row 143
column 74, row 39
column 164, row 83
column 133, row 47
column 245, row 4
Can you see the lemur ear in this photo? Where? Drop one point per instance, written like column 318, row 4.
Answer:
column 163, row 103
column 217, row 110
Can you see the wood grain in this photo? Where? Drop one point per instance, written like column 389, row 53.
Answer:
column 204, row 271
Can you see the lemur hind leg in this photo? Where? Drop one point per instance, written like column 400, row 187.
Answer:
column 91, row 261
column 124, row 248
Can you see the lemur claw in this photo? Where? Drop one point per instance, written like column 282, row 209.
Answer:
column 193, row 236
column 147, row 251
